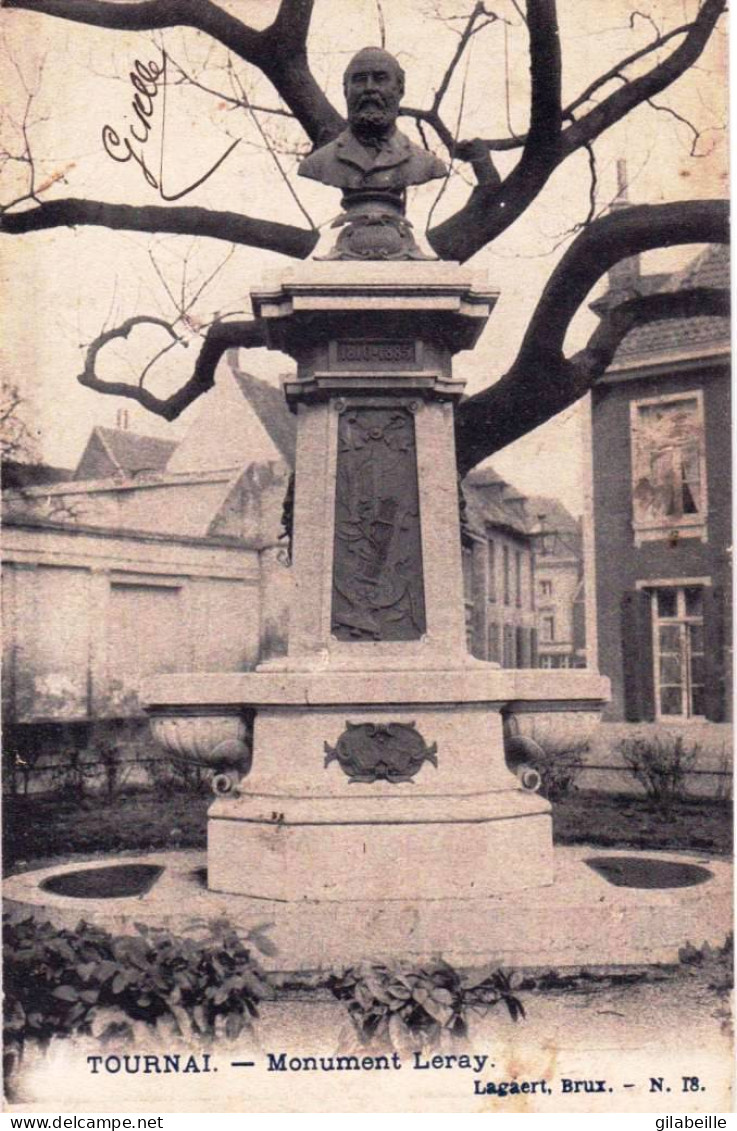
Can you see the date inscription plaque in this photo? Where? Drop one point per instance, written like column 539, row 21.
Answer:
column 384, row 353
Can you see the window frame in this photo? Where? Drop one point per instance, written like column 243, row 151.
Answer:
column 687, row 525
column 682, row 619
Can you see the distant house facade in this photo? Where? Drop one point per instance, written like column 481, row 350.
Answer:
column 660, row 427
column 559, row 584
column 498, row 573
column 156, row 564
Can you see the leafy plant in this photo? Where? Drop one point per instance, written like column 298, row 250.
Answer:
column 402, row 1005
column 59, row 982
column 559, row 768
column 75, row 768
column 171, row 775
column 718, row 961
column 557, row 760
column 660, row 764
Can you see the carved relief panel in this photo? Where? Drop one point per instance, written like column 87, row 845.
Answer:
column 378, row 591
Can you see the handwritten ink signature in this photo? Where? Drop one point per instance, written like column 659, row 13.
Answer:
column 146, row 78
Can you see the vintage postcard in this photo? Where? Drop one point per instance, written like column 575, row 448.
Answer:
column 366, row 557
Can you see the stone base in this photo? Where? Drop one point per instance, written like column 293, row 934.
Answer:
column 582, row 920
column 379, row 848
column 300, row 827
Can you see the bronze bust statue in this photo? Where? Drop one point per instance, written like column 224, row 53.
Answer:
column 373, row 163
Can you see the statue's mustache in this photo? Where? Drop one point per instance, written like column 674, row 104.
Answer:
column 372, row 98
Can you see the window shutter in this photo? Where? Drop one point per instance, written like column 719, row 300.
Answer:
column 714, row 691
column 637, row 657
column 534, row 662
column 520, row 647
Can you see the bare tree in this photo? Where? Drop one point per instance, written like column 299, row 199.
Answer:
column 542, row 379
column 16, row 439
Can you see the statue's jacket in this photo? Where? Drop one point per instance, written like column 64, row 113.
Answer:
column 396, row 163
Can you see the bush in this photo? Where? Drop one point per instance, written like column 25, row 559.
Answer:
column 402, row 1006
column 170, row 775
column 660, row 765
column 558, row 769
column 60, row 982
column 558, row 764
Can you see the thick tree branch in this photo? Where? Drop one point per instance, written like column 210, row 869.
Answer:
column 542, row 381
column 613, row 237
column 491, row 207
column 190, row 221
column 220, row 337
column 279, row 51
column 639, row 90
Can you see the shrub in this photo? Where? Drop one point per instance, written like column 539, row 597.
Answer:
column 400, row 1005
column 170, row 775
column 59, row 982
column 559, row 768
column 554, row 747
column 74, row 770
column 660, row 764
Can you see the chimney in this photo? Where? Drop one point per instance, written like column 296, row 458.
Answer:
column 623, row 276
column 121, row 419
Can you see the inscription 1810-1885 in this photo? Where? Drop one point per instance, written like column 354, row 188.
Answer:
column 378, row 592
column 382, row 352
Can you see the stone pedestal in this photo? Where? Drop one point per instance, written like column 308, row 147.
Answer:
column 378, row 767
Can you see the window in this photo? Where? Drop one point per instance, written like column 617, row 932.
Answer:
column 509, row 656
column 522, row 649
column 678, row 651
column 547, row 629
column 467, row 560
column 492, row 633
column 668, row 468
column 518, row 578
column 546, row 589
column 506, row 575
column 491, row 571
column 468, row 602
column 545, row 662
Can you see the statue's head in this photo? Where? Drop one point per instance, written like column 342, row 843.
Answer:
column 373, row 84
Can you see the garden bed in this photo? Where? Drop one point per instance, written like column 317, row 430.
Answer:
column 41, row 827
column 37, row 828
column 622, row 821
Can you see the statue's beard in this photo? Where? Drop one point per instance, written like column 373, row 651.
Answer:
column 373, row 118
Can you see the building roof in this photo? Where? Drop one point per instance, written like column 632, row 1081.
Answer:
column 709, row 269
column 491, row 501
column 268, row 402
column 556, row 516
column 129, row 453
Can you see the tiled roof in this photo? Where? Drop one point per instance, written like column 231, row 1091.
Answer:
column 489, row 502
column 709, row 269
column 556, row 516
column 134, row 453
column 270, row 406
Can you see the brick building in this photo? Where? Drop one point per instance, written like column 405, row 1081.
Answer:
column 662, row 500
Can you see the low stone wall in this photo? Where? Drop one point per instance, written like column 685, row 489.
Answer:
column 712, row 775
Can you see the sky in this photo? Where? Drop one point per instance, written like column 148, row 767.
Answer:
column 61, row 288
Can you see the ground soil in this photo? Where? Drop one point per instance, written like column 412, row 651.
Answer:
column 37, row 828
